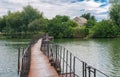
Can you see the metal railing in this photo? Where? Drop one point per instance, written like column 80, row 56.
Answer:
column 23, row 61
column 66, row 64
column 24, row 58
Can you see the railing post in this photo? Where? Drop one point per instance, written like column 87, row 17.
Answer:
column 89, row 71
column 66, row 62
column 94, row 72
column 18, row 60
column 74, row 66
column 70, row 64
column 22, row 68
column 83, row 70
column 60, row 54
column 23, row 52
column 44, row 48
column 56, row 53
column 48, row 49
column 63, row 59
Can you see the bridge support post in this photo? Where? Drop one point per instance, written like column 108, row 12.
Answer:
column 74, row 66
column 18, row 60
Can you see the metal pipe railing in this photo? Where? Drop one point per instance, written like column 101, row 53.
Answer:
column 69, row 64
column 24, row 60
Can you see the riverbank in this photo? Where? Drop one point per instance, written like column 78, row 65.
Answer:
column 19, row 35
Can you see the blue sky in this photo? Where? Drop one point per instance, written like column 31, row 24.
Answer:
column 51, row 8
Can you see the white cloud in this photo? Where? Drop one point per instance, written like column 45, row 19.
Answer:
column 22, row 1
column 50, row 8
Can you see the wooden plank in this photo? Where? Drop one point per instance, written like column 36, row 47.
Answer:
column 67, row 75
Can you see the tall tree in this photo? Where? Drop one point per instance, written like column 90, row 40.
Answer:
column 88, row 16
column 91, row 21
column 60, row 26
column 13, row 21
column 115, row 13
column 29, row 14
column 105, row 29
column 38, row 25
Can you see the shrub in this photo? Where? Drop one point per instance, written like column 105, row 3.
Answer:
column 80, row 32
column 105, row 29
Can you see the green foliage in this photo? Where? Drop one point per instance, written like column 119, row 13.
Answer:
column 105, row 29
column 80, row 32
column 88, row 16
column 61, row 18
column 90, row 23
column 38, row 25
column 115, row 14
column 60, row 26
column 17, row 22
column 2, row 23
column 13, row 22
column 71, row 23
column 29, row 14
column 114, row 1
column 30, row 21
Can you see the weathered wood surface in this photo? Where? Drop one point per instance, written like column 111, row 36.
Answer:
column 40, row 66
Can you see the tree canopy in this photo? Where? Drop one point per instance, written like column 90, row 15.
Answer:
column 31, row 21
column 38, row 25
column 60, row 26
column 115, row 13
column 18, row 21
column 105, row 29
column 88, row 16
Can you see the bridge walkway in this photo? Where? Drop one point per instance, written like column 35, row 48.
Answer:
column 40, row 65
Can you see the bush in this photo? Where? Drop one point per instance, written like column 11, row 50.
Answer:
column 105, row 29
column 38, row 25
column 80, row 32
column 115, row 13
column 61, row 26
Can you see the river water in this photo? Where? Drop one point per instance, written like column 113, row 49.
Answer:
column 8, row 56
column 103, row 54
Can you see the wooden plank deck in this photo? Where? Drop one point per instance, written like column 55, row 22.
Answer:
column 40, row 66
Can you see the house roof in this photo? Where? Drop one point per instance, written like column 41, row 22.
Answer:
column 80, row 20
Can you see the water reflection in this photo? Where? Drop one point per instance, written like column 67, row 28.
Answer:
column 104, row 54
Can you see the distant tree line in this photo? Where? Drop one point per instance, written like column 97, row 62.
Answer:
column 31, row 21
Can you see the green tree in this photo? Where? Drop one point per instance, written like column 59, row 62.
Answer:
column 91, row 21
column 38, row 25
column 17, row 22
column 29, row 14
column 13, row 21
column 61, row 26
column 2, row 24
column 88, row 16
column 115, row 13
column 105, row 29
column 80, row 32
column 61, row 18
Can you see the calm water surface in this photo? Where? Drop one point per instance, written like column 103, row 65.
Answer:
column 103, row 54
column 8, row 56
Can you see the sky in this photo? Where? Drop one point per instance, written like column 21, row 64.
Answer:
column 51, row 8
